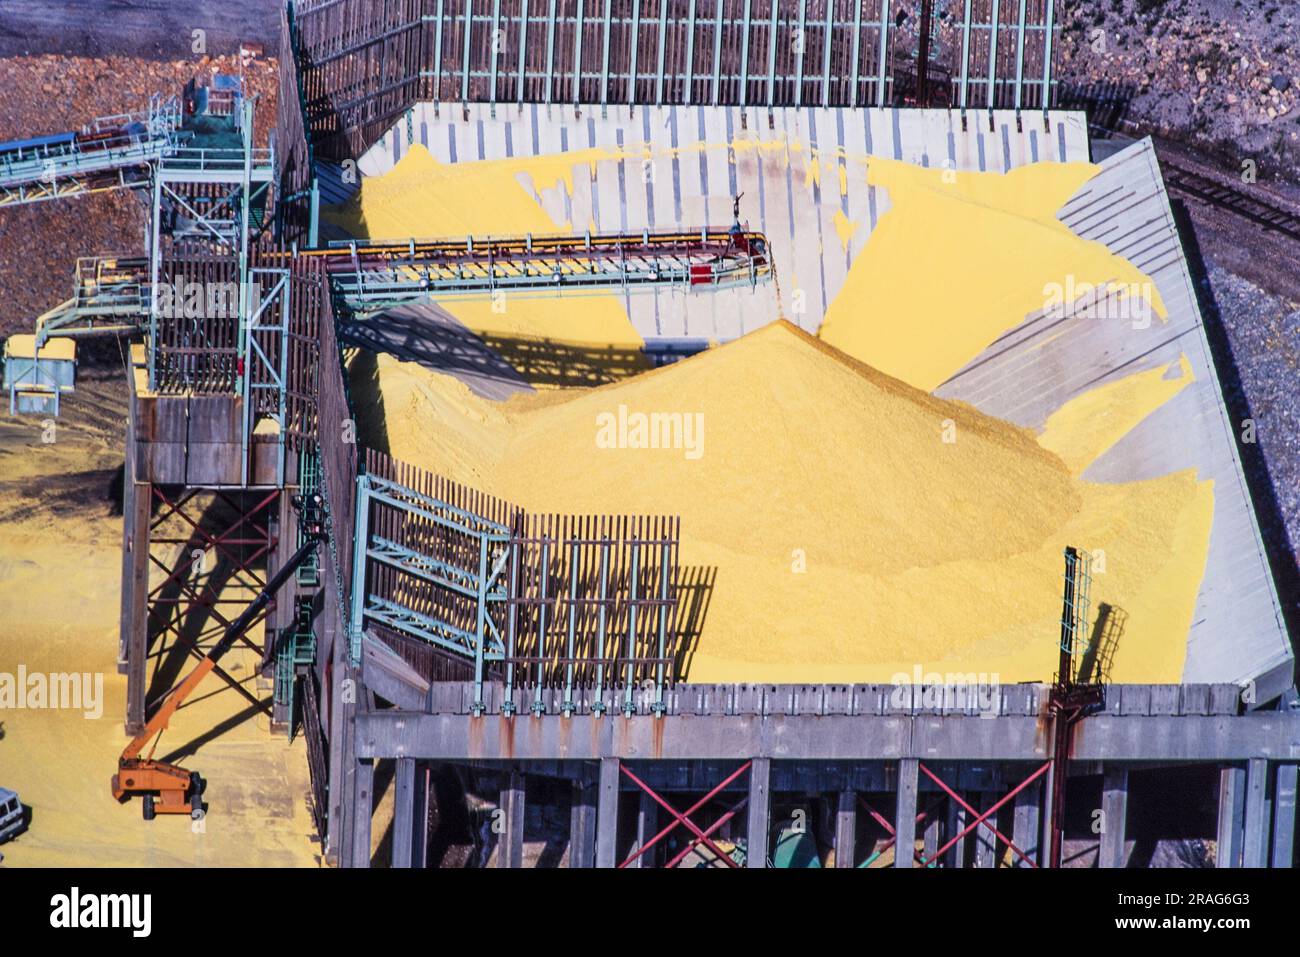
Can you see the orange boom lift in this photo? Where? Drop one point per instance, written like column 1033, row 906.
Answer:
column 169, row 788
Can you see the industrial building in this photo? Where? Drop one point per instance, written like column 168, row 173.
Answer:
column 709, row 168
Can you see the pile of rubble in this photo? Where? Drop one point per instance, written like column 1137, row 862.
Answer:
column 40, row 244
column 1219, row 74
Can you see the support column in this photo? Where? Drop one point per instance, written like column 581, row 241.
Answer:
column 956, row 824
column 1114, row 818
column 1026, row 824
column 607, row 814
column 134, row 624
column 1232, row 787
column 986, row 842
column 362, row 809
column 1255, row 848
column 760, row 779
column 1284, row 815
column 846, row 829
column 647, row 826
column 582, row 826
column 510, row 809
column 410, row 814
column 905, row 813
column 932, row 838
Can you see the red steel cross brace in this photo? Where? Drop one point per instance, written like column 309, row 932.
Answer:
column 983, row 818
column 684, row 818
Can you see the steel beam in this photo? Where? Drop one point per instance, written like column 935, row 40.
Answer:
column 1026, row 824
column 931, row 839
column 647, row 825
column 1255, row 848
column 1114, row 818
column 582, row 826
column 1284, row 815
column 905, row 813
column 523, row 50
column 362, row 809
column 846, row 829
column 986, row 843
column 1232, row 801
column 717, row 53
column 956, row 823
column 758, row 812
column 884, row 51
column 607, row 814
column 406, row 806
column 744, row 56
column 510, row 810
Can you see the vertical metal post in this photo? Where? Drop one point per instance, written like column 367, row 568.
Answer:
column 647, row 824
column 569, row 651
column 607, row 814
column 634, row 51
column 362, row 809
column 931, row 839
column 663, row 49
column 846, row 828
column 857, row 51
column 882, row 66
column 405, row 827
column 1255, row 849
column 480, row 625
column 360, row 547
column 994, row 17
column 602, row 636
column 629, row 668
column 437, row 55
column 582, row 826
column 510, row 847
column 986, row 842
column 1232, row 786
column 464, row 69
column 771, row 60
column 665, row 550
column 577, row 54
column 1048, row 29
column 539, row 703
column 744, row 56
column 956, row 824
column 550, row 52
column 1114, row 818
column 690, row 55
column 523, row 51
column 1026, row 828
column 905, row 813
column 826, row 53
column 965, row 59
column 512, row 629
column 1020, row 54
column 1284, row 815
column 717, row 53
column 800, row 53
column 604, row 60
column 759, row 807
column 493, row 49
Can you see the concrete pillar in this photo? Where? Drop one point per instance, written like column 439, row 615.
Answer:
column 607, row 814
column 1114, row 818
column 362, row 809
column 1255, row 846
column 647, row 826
column 905, row 813
column 510, row 807
column 932, row 837
column 410, row 814
column 1232, row 788
column 1026, row 828
column 986, row 842
column 582, row 826
column 760, row 780
column 1284, row 815
column 846, row 829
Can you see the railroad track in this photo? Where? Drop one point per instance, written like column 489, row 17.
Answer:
column 1240, row 201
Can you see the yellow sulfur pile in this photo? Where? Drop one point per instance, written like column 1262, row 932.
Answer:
column 859, row 527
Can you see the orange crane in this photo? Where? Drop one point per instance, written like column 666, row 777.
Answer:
column 169, row 788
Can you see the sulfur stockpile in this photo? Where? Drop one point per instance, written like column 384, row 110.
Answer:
column 858, row 527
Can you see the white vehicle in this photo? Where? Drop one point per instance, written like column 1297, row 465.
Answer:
column 11, row 814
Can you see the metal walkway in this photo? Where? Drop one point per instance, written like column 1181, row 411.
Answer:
column 113, row 152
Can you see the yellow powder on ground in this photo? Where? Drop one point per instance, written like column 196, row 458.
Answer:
column 999, row 247
column 423, row 198
column 1086, row 426
column 857, row 526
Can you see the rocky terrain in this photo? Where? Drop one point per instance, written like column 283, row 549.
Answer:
column 1223, row 75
